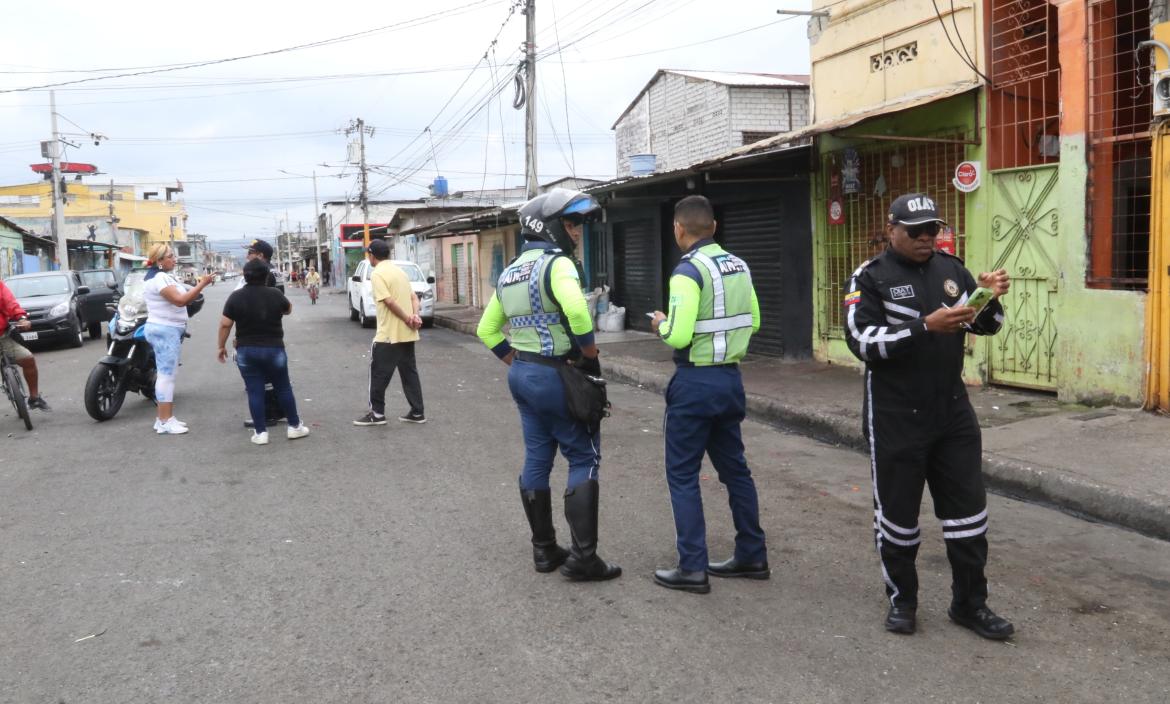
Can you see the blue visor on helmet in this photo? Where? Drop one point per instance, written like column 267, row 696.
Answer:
column 581, row 205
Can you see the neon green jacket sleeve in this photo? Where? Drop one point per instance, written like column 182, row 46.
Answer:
column 755, row 312
column 491, row 325
column 679, row 326
column 566, row 287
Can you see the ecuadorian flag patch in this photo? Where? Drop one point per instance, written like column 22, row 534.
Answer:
column 853, row 297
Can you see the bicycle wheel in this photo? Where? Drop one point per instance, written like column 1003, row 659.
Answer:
column 15, row 387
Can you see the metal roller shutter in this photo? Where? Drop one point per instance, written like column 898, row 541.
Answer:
column 637, row 271
column 751, row 231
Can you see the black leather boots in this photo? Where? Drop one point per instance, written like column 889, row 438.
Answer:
column 583, row 564
column 546, row 554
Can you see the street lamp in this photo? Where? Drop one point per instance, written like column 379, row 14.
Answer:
column 316, row 214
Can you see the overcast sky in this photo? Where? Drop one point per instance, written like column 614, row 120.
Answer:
column 227, row 130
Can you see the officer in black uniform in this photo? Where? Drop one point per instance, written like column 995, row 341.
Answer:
column 906, row 317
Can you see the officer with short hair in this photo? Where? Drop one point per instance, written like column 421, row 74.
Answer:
column 539, row 296
column 906, row 316
column 713, row 314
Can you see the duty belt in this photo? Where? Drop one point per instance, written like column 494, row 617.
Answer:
column 540, row 359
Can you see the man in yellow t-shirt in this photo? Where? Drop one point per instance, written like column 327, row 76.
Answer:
column 393, row 348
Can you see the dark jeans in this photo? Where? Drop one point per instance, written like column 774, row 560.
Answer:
column 385, row 357
column 540, row 396
column 266, row 365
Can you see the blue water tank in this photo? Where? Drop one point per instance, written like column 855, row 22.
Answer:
column 642, row 164
column 439, row 187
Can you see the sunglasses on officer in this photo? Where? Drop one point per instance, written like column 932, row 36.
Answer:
column 930, row 229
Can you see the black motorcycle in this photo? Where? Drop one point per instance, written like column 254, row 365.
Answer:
column 129, row 364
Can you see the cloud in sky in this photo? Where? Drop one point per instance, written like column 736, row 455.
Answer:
column 227, row 130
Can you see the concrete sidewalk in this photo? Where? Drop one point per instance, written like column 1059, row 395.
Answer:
column 1106, row 464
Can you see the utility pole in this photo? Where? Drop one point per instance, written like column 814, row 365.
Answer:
column 530, row 97
column 288, row 240
column 316, row 215
column 316, row 224
column 359, row 126
column 58, row 196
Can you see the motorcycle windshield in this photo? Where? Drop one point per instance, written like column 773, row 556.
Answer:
column 133, row 301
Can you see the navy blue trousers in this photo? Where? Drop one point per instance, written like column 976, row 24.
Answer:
column 704, row 409
column 544, row 419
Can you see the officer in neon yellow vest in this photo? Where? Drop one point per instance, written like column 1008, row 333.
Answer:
column 713, row 313
column 536, row 295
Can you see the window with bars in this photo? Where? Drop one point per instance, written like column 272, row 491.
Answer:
column 1119, row 145
column 887, row 170
column 1024, row 101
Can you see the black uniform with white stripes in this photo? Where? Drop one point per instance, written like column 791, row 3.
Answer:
column 919, row 422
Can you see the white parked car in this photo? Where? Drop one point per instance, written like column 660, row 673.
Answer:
column 361, row 293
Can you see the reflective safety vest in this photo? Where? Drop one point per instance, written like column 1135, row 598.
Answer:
column 533, row 315
column 724, row 323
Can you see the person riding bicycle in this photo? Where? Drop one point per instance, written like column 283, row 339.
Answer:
column 11, row 314
column 313, row 283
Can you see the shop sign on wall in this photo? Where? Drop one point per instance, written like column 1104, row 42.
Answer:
column 967, row 176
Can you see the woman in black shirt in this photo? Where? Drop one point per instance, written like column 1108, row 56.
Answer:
column 257, row 312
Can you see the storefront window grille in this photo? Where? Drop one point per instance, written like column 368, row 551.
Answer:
column 1024, row 101
column 886, row 170
column 1119, row 144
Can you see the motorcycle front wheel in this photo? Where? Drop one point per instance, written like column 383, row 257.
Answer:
column 104, row 392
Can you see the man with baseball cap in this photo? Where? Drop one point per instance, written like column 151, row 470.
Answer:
column 393, row 348
column 906, row 317
column 259, row 249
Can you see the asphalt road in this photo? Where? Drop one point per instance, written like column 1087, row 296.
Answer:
column 392, row 564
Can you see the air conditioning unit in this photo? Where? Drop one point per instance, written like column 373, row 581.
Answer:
column 1162, row 93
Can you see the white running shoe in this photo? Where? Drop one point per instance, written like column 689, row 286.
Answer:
column 299, row 431
column 260, row 438
column 169, row 427
column 158, row 423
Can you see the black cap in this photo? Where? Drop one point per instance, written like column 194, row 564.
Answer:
column 379, row 248
column 913, row 209
column 260, row 247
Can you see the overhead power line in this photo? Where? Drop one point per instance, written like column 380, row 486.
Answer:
column 413, row 22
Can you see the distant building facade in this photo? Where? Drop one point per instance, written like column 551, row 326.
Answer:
column 684, row 117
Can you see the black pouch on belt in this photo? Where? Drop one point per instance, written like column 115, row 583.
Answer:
column 585, row 396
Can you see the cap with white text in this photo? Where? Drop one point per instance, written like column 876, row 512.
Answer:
column 913, row 209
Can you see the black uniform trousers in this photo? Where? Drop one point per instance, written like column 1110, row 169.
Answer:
column 910, row 448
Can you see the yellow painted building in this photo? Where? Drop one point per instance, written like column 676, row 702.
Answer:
column 158, row 212
column 870, row 52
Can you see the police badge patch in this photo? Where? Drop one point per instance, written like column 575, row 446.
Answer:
column 951, row 288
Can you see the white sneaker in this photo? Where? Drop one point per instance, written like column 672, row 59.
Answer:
column 299, row 431
column 260, row 438
column 158, row 423
column 169, row 427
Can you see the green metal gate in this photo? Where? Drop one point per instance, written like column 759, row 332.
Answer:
column 1025, row 234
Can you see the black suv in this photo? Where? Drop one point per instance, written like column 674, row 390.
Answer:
column 60, row 306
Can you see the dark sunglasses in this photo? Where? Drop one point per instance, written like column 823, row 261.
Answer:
column 930, row 229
